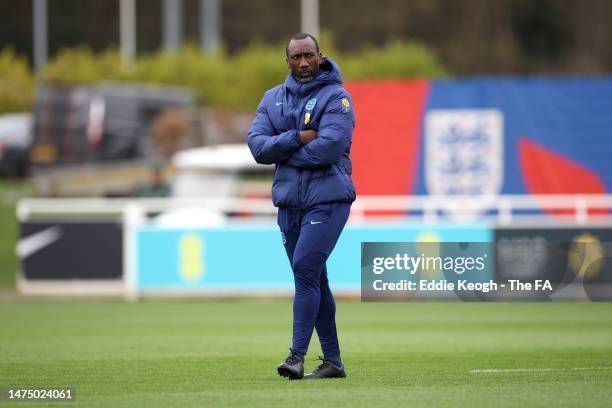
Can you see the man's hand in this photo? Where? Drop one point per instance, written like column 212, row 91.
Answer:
column 307, row 136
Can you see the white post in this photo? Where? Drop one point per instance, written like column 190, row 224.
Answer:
column 504, row 212
column 40, row 34
column 172, row 24
column 582, row 213
column 430, row 211
column 210, row 25
column 357, row 214
column 127, row 31
column 310, row 17
column 133, row 217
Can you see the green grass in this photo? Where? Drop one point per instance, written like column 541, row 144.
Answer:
column 224, row 353
column 8, row 239
column 10, row 192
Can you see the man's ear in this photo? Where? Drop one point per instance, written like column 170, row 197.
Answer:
column 287, row 62
column 320, row 58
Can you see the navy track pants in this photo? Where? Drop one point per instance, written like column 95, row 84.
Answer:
column 309, row 237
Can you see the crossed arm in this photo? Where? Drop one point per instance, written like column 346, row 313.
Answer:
column 306, row 148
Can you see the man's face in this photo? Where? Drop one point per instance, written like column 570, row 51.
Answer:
column 303, row 59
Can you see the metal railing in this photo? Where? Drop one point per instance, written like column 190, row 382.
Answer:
column 500, row 209
column 513, row 211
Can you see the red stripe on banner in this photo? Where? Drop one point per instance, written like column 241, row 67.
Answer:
column 547, row 172
column 387, row 134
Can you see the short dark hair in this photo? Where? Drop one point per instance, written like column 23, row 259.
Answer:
column 301, row 36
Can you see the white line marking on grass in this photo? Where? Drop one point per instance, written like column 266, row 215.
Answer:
column 528, row 370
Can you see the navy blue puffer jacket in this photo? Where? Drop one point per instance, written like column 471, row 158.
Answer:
column 319, row 171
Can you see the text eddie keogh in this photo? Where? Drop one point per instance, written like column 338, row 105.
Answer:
column 411, row 265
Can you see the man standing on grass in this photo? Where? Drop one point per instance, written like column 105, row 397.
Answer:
column 304, row 127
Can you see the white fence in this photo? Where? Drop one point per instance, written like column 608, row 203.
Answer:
column 503, row 209
column 516, row 211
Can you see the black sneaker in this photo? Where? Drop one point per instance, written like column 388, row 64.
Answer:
column 293, row 367
column 326, row 370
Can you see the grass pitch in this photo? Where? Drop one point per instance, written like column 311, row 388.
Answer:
column 8, row 239
column 224, row 353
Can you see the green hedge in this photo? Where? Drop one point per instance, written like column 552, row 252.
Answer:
column 16, row 82
column 235, row 82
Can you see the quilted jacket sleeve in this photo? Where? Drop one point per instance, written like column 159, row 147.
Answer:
column 333, row 137
column 266, row 146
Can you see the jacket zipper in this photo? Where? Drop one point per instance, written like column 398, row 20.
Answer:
column 298, row 116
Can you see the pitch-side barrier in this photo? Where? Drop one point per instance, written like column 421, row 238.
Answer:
column 232, row 246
